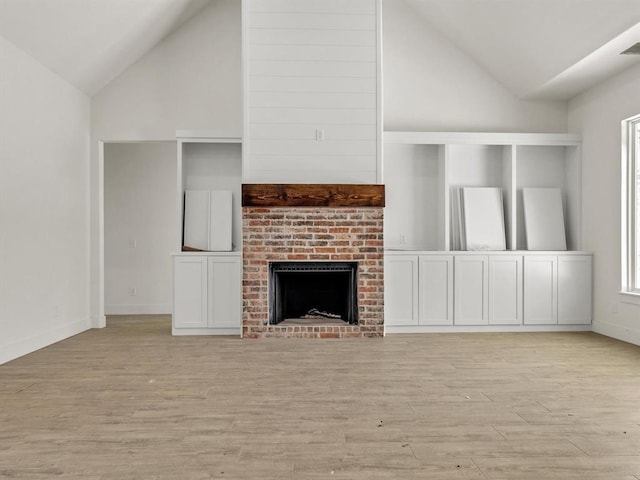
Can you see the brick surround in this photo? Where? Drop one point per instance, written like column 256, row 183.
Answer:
column 314, row 234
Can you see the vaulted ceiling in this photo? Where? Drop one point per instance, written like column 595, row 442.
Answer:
column 540, row 48
column 550, row 49
column 90, row 42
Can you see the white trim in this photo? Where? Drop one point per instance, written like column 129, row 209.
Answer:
column 208, row 136
column 632, row 298
column 42, row 339
column 179, row 191
column 379, row 98
column 487, row 138
column 208, row 253
column 529, row 253
column 244, row 75
column 235, row 331
column 628, row 145
column 394, row 329
column 101, row 321
column 626, row 334
column 151, row 309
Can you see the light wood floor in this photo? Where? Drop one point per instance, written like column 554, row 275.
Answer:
column 131, row 402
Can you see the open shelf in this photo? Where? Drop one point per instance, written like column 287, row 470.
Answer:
column 211, row 164
column 424, row 170
column 550, row 166
column 414, row 218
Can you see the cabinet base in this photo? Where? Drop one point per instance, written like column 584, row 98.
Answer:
column 206, row 331
column 484, row 328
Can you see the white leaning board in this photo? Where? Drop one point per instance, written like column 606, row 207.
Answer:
column 208, row 220
column 483, row 218
column 543, row 219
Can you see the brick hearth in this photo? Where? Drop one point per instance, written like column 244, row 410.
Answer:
column 352, row 234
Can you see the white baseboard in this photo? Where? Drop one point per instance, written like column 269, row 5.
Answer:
column 626, row 334
column 393, row 329
column 13, row 350
column 154, row 309
column 234, row 331
column 99, row 322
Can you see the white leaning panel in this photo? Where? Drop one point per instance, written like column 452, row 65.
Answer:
column 220, row 221
column 483, row 218
column 196, row 224
column 208, row 220
column 544, row 219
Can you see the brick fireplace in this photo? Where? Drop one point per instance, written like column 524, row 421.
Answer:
column 312, row 223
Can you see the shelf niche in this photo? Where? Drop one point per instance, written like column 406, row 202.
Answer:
column 211, row 164
column 423, row 170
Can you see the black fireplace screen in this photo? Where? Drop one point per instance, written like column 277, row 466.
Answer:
column 313, row 290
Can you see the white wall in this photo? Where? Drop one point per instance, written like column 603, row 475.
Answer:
column 430, row 85
column 597, row 114
column 190, row 81
column 140, row 226
column 44, row 206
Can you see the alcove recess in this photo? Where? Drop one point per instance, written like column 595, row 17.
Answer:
column 205, row 162
column 422, row 169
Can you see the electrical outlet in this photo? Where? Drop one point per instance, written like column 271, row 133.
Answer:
column 614, row 307
column 133, row 243
column 132, row 292
column 403, row 238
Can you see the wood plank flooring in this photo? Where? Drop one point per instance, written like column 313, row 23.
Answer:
column 132, row 402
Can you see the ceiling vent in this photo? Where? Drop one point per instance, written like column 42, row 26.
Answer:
column 632, row 50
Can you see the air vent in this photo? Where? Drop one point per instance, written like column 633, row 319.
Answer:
column 632, row 50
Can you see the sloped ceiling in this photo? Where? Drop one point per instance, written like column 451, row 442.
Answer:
column 539, row 49
column 550, row 49
column 90, row 42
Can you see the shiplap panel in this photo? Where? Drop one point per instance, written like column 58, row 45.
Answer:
column 296, row 131
column 312, row 69
column 353, row 163
column 311, row 100
column 260, row 83
column 308, row 174
column 336, row 116
column 313, row 147
column 318, row 21
column 311, row 90
column 323, row 53
column 354, row 7
column 266, row 36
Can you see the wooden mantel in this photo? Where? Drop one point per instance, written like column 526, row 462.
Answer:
column 312, row 195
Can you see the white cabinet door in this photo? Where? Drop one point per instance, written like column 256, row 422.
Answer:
column 225, row 292
column 574, row 289
column 505, row 290
column 436, row 290
column 471, row 280
column 190, row 292
column 540, row 290
column 401, row 290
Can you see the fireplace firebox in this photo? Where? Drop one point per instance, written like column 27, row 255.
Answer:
column 316, row 292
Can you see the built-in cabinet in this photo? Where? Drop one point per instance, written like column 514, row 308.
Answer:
column 207, row 286
column 435, row 284
column 207, row 294
column 562, row 283
column 505, row 289
column 429, row 291
column 471, row 283
column 514, row 289
column 401, row 289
